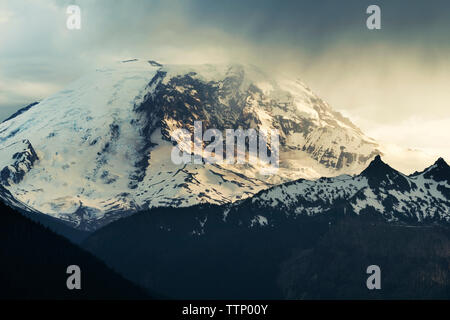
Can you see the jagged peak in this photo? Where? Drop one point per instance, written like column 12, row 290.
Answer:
column 377, row 167
column 439, row 171
column 381, row 175
column 441, row 162
column 377, row 159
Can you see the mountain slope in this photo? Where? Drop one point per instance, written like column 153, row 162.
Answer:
column 101, row 148
column 56, row 225
column 34, row 262
column 279, row 243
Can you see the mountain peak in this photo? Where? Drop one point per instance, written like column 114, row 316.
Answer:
column 441, row 162
column 439, row 171
column 377, row 167
column 380, row 174
column 377, row 159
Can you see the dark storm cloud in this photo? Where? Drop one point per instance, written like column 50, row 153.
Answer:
column 313, row 24
column 115, row 27
column 309, row 25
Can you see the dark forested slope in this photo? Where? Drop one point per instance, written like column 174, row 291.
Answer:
column 34, row 260
column 325, row 256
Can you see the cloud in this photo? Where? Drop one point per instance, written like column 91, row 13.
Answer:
column 381, row 79
column 17, row 91
column 413, row 132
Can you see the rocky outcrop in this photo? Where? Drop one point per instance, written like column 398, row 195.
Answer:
column 21, row 161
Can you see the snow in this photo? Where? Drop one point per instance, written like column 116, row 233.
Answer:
column 371, row 200
column 164, row 182
column 259, row 220
column 9, row 150
column 88, row 138
column 67, row 131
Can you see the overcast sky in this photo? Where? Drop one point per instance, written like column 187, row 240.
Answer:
column 394, row 83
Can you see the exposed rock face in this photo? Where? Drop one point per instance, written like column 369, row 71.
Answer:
column 18, row 164
column 305, row 122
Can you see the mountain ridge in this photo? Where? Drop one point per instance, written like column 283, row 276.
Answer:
column 389, row 192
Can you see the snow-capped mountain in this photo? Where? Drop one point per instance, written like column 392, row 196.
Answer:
column 102, row 146
column 420, row 197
